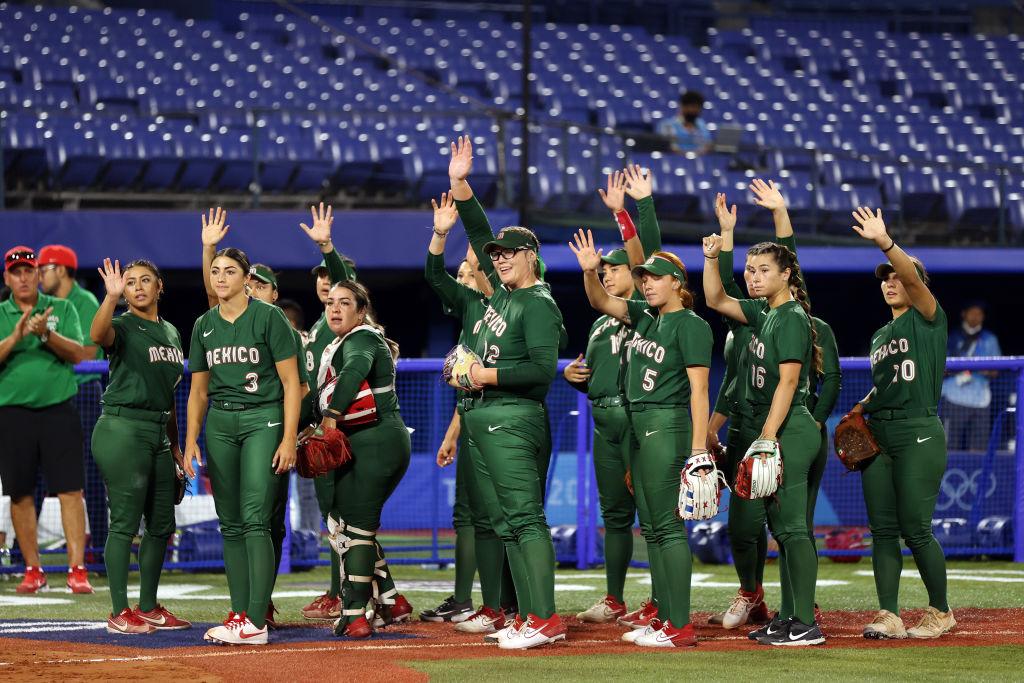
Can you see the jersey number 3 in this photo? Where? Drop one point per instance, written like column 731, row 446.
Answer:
column 252, row 382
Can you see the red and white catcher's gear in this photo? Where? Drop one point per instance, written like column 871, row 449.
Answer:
column 759, row 474
column 363, row 408
column 700, row 488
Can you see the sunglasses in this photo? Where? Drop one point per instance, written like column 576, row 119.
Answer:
column 21, row 256
column 506, row 254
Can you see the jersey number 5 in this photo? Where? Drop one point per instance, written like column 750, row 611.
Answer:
column 650, row 374
column 252, row 382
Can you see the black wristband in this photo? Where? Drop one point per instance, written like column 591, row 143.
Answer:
column 711, row 258
column 889, row 248
column 440, row 234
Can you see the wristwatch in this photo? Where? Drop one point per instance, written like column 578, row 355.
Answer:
column 45, row 336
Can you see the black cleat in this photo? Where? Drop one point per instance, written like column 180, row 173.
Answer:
column 798, row 634
column 449, row 610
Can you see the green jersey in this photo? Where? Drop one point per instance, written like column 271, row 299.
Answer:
column 604, row 356
column 241, row 355
column 522, row 328
column 86, row 306
column 780, row 335
column 360, row 355
column 457, row 300
column 33, row 376
column 300, row 355
column 146, row 364
column 659, row 352
column 320, row 334
column 908, row 360
column 824, row 391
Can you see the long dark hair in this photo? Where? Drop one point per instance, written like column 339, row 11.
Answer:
column 785, row 258
column 144, row 263
column 363, row 303
column 236, row 255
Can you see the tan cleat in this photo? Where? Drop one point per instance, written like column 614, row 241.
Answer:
column 604, row 612
column 933, row 624
column 885, row 626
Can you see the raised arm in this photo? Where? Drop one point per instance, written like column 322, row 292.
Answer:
column 767, row 195
column 590, row 260
column 872, row 227
column 614, row 197
column 478, row 228
column 727, row 224
column 640, row 188
column 320, row 234
column 714, row 290
column 102, row 331
column 446, row 287
column 214, row 230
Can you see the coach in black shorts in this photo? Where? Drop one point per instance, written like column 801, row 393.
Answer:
column 40, row 341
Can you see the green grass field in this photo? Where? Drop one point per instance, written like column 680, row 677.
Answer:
column 203, row 597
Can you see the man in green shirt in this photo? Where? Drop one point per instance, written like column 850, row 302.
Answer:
column 40, row 341
column 58, row 266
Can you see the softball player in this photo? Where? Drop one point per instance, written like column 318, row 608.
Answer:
column 135, row 442
column 519, row 342
column 476, row 543
column 242, row 359
column 381, row 451
column 782, row 351
column 901, row 485
column 667, row 366
column 747, row 518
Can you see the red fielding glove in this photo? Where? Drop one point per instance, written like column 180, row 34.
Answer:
column 625, row 223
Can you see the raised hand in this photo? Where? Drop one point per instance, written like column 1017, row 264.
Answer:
column 588, row 257
column 638, row 185
column 445, row 213
column 37, row 323
column 767, row 195
column 615, row 196
column 322, row 222
column 461, row 163
column 214, row 227
column 712, row 245
column 577, row 371
column 726, row 217
column 872, row 227
column 113, row 278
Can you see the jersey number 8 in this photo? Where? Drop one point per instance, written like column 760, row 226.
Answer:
column 252, row 382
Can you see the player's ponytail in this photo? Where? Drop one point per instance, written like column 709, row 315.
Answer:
column 785, row 258
column 362, row 297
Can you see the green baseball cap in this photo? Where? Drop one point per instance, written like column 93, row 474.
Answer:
column 659, row 265
column 618, row 257
column 264, row 274
column 882, row 270
column 322, row 267
column 512, row 239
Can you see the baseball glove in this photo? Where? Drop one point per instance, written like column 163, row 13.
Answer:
column 457, row 364
column 700, row 488
column 322, row 451
column 760, row 472
column 181, row 484
column 855, row 444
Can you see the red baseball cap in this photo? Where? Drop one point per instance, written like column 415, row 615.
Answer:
column 58, row 254
column 25, row 256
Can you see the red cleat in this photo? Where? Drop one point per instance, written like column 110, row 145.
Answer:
column 271, row 621
column 640, row 618
column 161, row 619
column 78, row 580
column 34, row 579
column 324, row 607
column 360, row 628
column 128, row 623
column 400, row 611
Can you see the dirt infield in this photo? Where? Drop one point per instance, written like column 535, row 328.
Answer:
column 31, row 660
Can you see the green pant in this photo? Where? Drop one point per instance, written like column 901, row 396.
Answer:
column 240, row 448
column 800, row 444
column 665, row 438
column 380, row 457
column 514, row 444
column 900, row 489
column 277, row 525
column 612, row 448
column 324, row 487
column 462, row 523
column 134, row 457
column 747, row 536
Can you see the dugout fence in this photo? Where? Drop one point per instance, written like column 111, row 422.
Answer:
column 979, row 511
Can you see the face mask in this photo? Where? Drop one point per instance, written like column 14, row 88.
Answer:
column 690, row 118
column 971, row 330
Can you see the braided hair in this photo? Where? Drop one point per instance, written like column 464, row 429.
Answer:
column 786, row 258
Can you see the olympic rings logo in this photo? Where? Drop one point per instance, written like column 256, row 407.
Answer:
column 960, row 489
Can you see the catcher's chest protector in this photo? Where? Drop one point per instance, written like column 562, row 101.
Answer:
column 363, row 409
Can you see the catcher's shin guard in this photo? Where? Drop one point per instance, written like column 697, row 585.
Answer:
column 341, row 542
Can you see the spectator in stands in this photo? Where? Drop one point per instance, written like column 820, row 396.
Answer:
column 967, row 395
column 40, row 341
column 58, row 266
column 687, row 130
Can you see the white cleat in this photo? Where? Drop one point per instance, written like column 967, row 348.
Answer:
column 633, row 635
column 238, row 632
column 885, row 626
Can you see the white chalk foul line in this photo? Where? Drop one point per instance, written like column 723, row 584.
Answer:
column 366, row 648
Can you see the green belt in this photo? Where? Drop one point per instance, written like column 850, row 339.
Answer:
column 901, row 414
column 138, row 414
column 640, row 407
column 228, row 405
column 608, row 402
column 470, row 402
